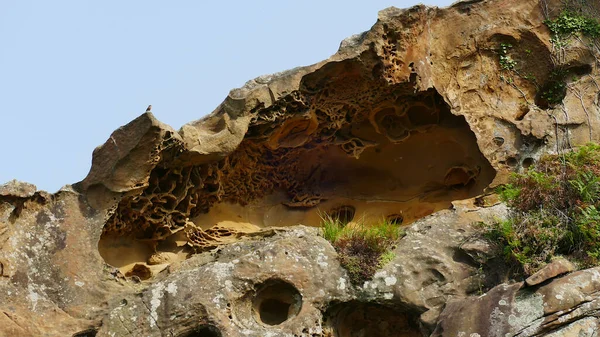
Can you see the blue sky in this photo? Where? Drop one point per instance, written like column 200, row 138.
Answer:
column 73, row 71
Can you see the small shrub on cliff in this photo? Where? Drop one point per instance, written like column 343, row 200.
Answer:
column 362, row 250
column 554, row 211
column 555, row 89
column 568, row 23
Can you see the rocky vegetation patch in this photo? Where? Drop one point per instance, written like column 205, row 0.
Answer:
column 555, row 211
column 574, row 29
column 361, row 249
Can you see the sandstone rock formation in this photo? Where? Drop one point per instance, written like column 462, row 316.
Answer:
column 210, row 230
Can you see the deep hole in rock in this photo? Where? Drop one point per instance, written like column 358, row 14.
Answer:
column 275, row 302
column 523, row 111
column 554, row 90
column 512, row 161
column 395, row 219
column 527, row 162
column 551, row 93
column 581, row 70
column 343, row 214
column 141, row 271
column 353, row 319
column 203, row 331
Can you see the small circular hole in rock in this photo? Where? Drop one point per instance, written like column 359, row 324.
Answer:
column 523, row 111
column 343, row 214
column 275, row 302
column 393, row 127
column 511, row 161
column 498, row 141
column 395, row 219
column 527, row 162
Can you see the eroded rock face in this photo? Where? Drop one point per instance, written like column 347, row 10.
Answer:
column 203, row 231
column 388, row 151
column 53, row 281
column 566, row 306
column 274, row 284
column 288, row 281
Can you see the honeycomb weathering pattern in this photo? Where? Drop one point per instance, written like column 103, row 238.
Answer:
column 309, row 146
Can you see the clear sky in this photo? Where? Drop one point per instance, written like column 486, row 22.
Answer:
column 72, row 71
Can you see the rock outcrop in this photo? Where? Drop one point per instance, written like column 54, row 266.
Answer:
column 211, row 230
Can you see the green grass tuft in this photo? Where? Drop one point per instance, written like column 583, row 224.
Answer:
column 361, row 249
column 331, row 228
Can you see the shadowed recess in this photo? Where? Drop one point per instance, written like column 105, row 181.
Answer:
column 203, row 331
column 275, row 302
column 357, row 319
column 348, row 144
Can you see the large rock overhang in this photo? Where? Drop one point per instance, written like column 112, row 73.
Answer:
column 394, row 126
column 346, row 140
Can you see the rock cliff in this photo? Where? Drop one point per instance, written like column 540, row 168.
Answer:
column 212, row 230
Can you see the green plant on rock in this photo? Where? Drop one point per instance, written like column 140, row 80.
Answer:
column 587, row 186
column 555, row 210
column 506, row 62
column 588, row 224
column 569, row 23
column 362, row 250
column 530, row 77
column 555, row 89
column 532, row 240
column 386, row 258
column 573, row 22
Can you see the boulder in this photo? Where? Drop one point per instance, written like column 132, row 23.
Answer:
column 557, row 267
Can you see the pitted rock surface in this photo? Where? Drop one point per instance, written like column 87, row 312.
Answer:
column 221, row 289
column 210, row 230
